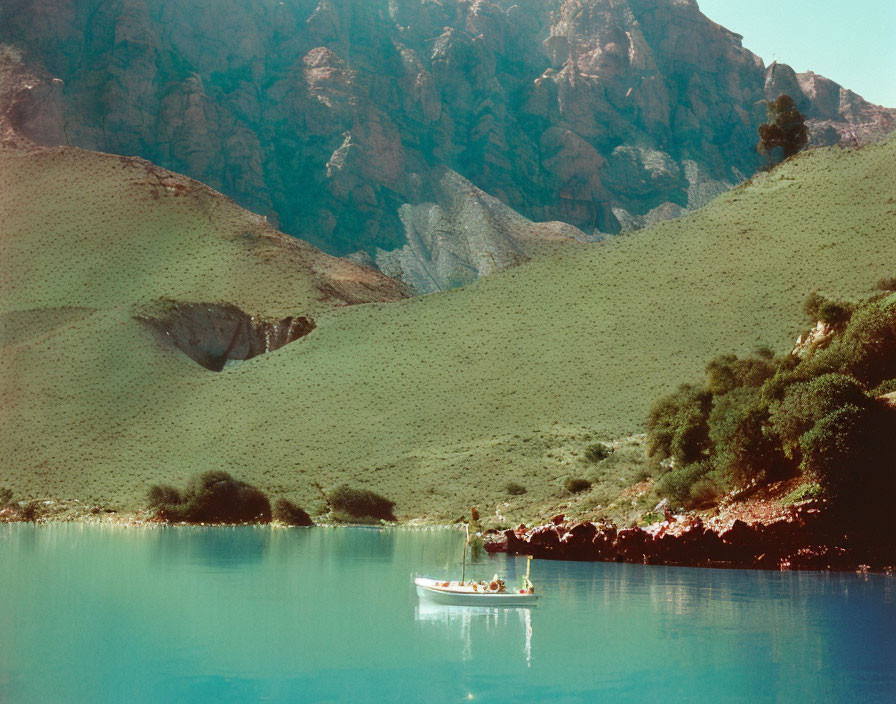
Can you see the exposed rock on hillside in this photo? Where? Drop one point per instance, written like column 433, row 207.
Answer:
column 464, row 233
column 335, row 118
column 213, row 334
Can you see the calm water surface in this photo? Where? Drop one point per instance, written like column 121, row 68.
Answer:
column 319, row 615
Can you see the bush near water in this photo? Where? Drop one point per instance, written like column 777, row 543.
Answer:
column 287, row 512
column 360, row 504
column 819, row 413
column 212, row 497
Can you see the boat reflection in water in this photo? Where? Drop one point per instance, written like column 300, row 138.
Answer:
column 462, row 621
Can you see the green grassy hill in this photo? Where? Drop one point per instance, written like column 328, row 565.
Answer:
column 436, row 402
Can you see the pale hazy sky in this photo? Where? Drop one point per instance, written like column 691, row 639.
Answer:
column 852, row 42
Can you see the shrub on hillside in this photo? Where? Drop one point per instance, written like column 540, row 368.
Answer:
column 515, row 489
column 597, row 452
column 163, row 495
column 32, row 511
column 5, row 496
column 704, row 492
column 213, row 497
column 830, row 312
column 847, row 455
column 744, row 448
column 677, row 425
column 762, row 419
column 727, row 372
column 887, row 284
column 867, row 348
column 576, row 485
column 676, row 484
column 287, row 512
column 806, row 491
column 361, row 503
column 805, row 403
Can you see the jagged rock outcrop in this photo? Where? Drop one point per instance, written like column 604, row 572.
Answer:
column 834, row 113
column 334, row 118
column 212, row 334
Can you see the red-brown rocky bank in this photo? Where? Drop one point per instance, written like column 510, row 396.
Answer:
column 805, row 538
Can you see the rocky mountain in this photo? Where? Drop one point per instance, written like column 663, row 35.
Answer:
column 401, row 127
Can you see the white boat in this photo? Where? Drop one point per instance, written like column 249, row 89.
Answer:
column 491, row 594
column 471, row 593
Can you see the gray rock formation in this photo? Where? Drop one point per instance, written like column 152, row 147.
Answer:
column 460, row 233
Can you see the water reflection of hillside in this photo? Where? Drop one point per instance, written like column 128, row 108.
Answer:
column 220, row 547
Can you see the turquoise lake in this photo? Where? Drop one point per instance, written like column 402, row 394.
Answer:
column 108, row 614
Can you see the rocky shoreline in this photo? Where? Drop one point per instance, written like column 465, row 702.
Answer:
column 803, row 538
column 73, row 511
column 806, row 538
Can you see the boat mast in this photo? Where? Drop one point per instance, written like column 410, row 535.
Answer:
column 463, row 577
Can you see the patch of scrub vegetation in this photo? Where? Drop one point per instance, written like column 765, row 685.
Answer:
column 576, row 485
column 807, row 491
column 597, row 452
column 515, row 489
column 436, row 402
column 359, row 505
column 212, row 497
column 285, row 511
column 815, row 413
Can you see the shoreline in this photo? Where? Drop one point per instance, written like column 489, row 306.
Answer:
column 803, row 539
column 806, row 538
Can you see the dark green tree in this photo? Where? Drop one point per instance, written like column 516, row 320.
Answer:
column 784, row 132
column 805, row 403
column 831, row 312
column 676, row 425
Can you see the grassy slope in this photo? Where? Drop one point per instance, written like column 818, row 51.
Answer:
column 439, row 401
column 97, row 231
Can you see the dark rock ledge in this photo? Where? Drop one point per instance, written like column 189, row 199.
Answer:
column 806, row 539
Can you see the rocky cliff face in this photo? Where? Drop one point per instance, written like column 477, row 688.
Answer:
column 339, row 120
column 30, row 103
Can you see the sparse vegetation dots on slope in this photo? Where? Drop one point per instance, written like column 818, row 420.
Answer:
column 435, row 402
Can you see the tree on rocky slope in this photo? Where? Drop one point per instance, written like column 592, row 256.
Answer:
column 784, row 132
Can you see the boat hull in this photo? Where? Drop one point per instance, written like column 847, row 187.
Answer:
column 426, row 589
